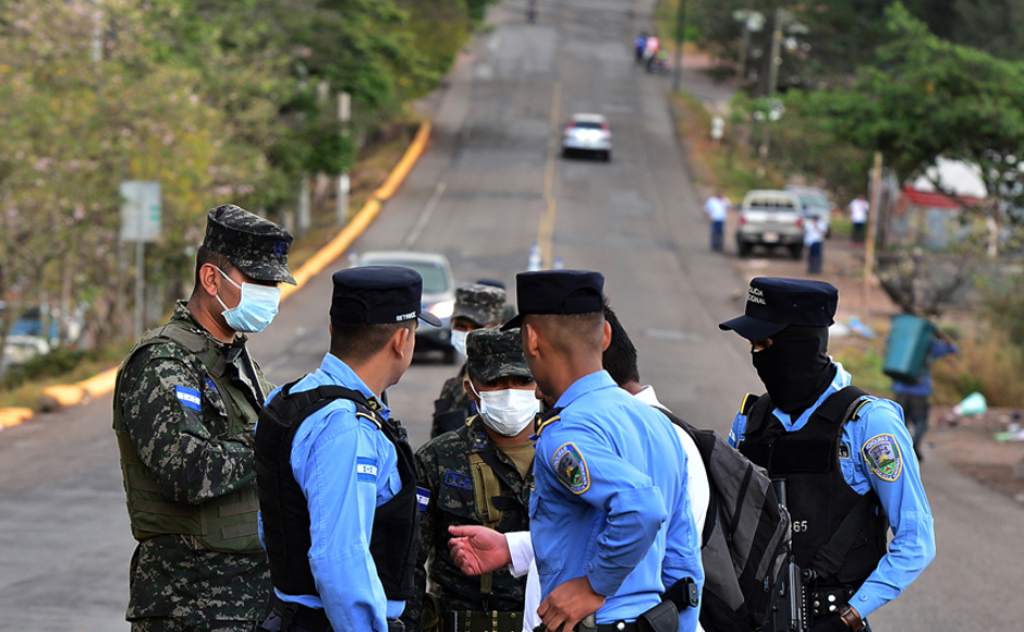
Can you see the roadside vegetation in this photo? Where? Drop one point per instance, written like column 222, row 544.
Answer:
column 219, row 102
column 920, row 83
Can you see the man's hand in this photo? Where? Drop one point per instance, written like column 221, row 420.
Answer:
column 478, row 550
column 569, row 604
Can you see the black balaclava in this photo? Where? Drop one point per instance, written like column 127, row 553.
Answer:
column 796, row 368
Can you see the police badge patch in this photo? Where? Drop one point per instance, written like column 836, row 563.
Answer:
column 571, row 468
column 883, row 457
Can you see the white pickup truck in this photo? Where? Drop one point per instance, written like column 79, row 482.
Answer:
column 771, row 219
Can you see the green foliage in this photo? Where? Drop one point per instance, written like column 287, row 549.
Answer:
column 57, row 362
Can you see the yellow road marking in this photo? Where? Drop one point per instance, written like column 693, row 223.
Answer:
column 546, row 228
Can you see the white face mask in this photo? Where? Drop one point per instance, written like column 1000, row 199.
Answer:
column 508, row 411
column 459, row 341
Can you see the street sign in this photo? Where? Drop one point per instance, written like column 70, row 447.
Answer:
column 140, row 210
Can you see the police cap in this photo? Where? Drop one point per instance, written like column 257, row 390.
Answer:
column 378, row 295
column 493, row 353
column 774, row 304
column 558, row 292
column 257, row 247
column 482, row 304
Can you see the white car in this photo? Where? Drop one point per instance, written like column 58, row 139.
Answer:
column 587, row 133
column 438, row 294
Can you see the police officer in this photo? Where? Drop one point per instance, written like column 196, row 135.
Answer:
column 185, row 403
column 477, row 305
column 335, row 474
column 610, row 518
column 846, row 457
column 481, row 474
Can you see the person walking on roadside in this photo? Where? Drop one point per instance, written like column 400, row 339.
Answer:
column 185, row 403
column 639, row 46
column 651, row 49
column 335, row 472
column 717, row 209
column 915, row 397
column 814, row 241
column 859, row 208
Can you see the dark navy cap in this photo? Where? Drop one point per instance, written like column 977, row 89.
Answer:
column 378, row 295
column 558, row 292
column 774, row 304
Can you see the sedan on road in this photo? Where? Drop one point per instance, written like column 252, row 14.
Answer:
column 438, row 294
column 589, row 134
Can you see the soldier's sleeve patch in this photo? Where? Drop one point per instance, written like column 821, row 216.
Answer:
column 571, row 468
column 189, row 398
column 457, row 480
column 422, row 498
column 883, row 457
column 366, row 469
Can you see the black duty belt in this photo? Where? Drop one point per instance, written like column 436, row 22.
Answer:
column 481, row 621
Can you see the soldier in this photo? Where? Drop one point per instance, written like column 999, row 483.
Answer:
column 185, row 404
column 477, row 305
column 480, row 474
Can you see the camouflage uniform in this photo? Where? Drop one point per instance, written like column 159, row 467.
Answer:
column 187, row 446
column 483, row 305
column 445, row 467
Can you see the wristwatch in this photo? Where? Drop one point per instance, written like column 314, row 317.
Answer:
column 852, row 619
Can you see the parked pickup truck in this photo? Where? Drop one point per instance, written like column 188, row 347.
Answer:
column 771, row 219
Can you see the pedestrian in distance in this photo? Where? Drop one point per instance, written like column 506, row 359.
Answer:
column 915, row 397
column 652, row 46
column 477, row 305
column 717, row 209
column 841, row 454
column 477, row 549
column 859, row 209
column 185, row 403
column 335, row 473
column 639, row 46
column 814, row 241
column 610, row 518
column 480, row 474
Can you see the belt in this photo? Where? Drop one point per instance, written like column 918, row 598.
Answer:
column 481, row 621
column 618, row 626
column 294, row 617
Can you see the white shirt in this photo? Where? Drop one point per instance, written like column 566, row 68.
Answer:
column 716, row 208
column 521, row 548
column 859, row 211
column 814, row 231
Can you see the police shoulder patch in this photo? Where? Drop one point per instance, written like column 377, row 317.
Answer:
column 571, row 468
column 883, row 457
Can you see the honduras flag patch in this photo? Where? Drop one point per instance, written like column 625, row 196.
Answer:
column 366, row 469
column 422, row 498
column 189, row 398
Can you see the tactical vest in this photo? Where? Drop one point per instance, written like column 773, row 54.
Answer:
column 395, row 536
column 227, row 523
column 837, row 533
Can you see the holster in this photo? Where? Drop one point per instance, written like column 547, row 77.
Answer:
column 663, row 617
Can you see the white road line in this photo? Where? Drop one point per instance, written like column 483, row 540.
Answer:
column 425, row 215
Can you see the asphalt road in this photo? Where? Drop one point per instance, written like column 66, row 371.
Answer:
column 489, row 188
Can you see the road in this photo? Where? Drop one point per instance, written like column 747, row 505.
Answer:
column 491, row 186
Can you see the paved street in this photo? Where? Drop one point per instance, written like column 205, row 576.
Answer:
column 490, row 186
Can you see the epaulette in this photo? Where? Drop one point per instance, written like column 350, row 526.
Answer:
column 748, row 402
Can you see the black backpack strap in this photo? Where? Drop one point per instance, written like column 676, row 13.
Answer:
column 841, row 405
column 288, row 407
column 756, row 409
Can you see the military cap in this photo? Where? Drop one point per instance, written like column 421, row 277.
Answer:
column 493, row 353
column 482, row 304
column 378, row 295
column 257, row 247
column 559, row 292
column 774, row 304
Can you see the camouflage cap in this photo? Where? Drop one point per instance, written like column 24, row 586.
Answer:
column 257, row 247
column 492, row 353
column 482, row 304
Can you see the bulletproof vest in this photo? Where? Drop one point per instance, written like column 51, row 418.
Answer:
column 227, row 523
column 395, row 536
column 837, row 533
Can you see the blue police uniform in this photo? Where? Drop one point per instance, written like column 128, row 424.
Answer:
column 913, row 544
column 875, row 452
column 346, row 468
column 610, row 502
column 336, row 478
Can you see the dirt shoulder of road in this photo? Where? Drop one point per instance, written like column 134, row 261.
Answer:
column 968, row 444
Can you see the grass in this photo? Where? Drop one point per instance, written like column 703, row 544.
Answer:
column 27, row 394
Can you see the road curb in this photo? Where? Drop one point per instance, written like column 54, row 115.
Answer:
column 67, row 395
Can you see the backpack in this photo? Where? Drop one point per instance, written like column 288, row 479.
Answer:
column 746, row 537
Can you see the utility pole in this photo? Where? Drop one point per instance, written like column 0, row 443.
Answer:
column 874, row 214
column 774, row 61
column 677, row 72
column 344, row 183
